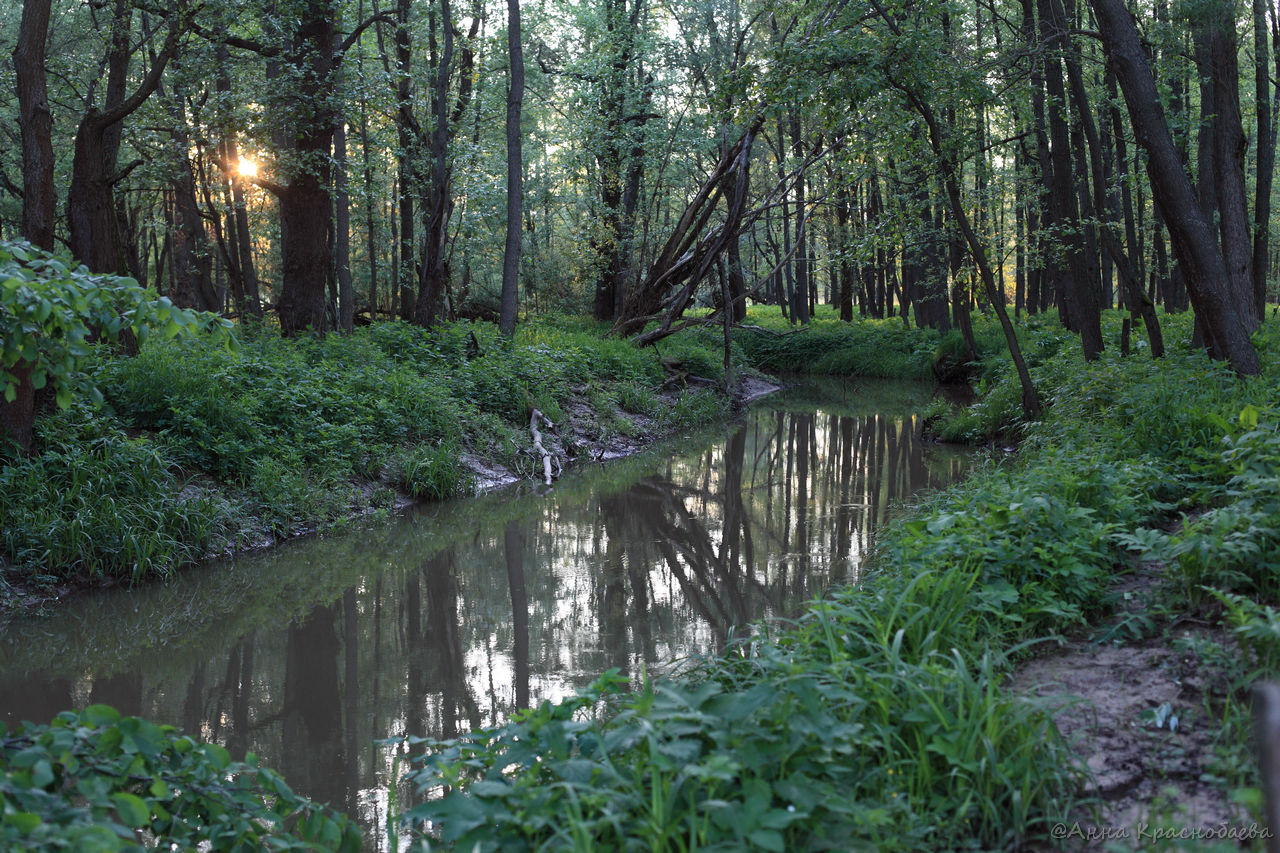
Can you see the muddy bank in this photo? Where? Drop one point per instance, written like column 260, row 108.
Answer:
column 584, row 437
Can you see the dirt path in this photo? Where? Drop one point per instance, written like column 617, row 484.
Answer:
column 1141, row 714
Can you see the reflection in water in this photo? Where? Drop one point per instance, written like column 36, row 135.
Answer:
column 455, row 616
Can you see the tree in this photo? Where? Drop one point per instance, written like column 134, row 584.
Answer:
column 39, row 198
column 515, row 166
column 50, row 310
column 92, row 217
column 1204, row 270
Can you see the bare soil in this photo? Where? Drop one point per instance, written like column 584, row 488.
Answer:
column 1140, row 713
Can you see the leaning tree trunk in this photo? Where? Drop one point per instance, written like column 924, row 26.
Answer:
column 1191, row 234
column 945, row 159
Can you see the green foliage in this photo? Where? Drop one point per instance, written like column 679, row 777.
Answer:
column 880, row 348
column 431, row 472
column 197, row 443
column 97, row 781
column 796, row 745
column 880, row 719
column 51, row 310
column 97, row 503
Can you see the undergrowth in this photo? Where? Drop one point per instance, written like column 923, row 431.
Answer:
column 197, row 446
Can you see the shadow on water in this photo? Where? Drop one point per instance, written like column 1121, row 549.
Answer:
column 455, row 615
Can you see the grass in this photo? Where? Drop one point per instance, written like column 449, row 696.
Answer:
column 196, row 446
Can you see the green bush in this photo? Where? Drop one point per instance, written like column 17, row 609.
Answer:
column 96, row 781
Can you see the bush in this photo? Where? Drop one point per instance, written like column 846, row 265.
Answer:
column 98, row 781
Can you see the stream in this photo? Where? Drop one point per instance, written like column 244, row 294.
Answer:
column 452, row 615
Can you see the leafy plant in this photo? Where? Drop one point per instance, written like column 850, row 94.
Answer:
column 52, row 309
column 98, row 781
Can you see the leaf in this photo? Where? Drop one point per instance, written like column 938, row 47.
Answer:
column 768, row 839
column 132, row 810
column 42, row 774
column 1249, row 417
column 100, row 715
column 24, row 822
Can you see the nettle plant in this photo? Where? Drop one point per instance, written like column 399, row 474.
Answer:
column 52, row 311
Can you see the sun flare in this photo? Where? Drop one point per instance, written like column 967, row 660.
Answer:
column 247, row 168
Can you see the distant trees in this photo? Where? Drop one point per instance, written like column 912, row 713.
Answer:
column 621, row 185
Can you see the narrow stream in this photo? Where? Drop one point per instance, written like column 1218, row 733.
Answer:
column 452, row 616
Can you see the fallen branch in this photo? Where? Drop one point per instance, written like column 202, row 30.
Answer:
column 534, row 418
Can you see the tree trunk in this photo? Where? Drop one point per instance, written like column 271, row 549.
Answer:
column 342, row 226
column 937, row 141
column 1194, row 244
column 305, row 203
column 39, row 198
column 438, row 206
column 1266, row 142
column 515, row 174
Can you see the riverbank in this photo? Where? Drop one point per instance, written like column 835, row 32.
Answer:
column 887, row 716
column 199, row 451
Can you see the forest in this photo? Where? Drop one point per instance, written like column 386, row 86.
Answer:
column 288, row 269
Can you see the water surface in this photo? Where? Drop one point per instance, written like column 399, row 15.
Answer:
column 456, row 614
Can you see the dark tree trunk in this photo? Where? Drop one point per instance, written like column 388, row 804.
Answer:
column 91, row 210
column 951, row 183
column 39, row 198
column 515, row 174
column 1266, row 141
column 1230, row 146
column 305, row 202
column 192, row 257
column 621, row 161
column 1194, row 243
column 800, row 305
column 844, row 275
column 438, row 206
column 1078, row 277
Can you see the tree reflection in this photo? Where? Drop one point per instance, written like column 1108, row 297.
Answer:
column 448, row 627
